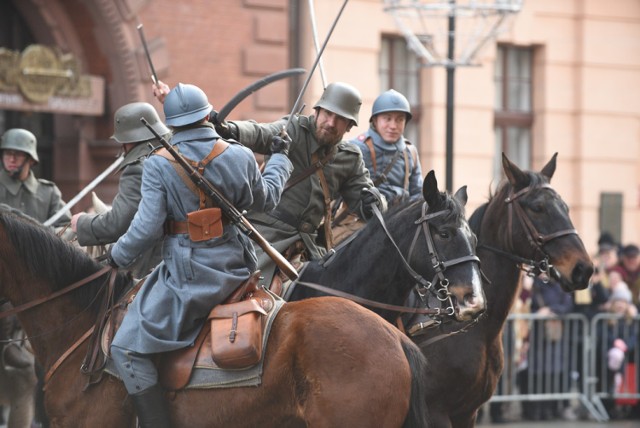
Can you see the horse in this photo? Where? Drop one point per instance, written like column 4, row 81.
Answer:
column 384, row 260
column 525, row 223
column 329, row 362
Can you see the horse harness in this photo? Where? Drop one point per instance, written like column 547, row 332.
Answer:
column 535, row 238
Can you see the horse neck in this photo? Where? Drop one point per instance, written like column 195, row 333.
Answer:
column 53, row 326
column 367, row 269
column 503, row 273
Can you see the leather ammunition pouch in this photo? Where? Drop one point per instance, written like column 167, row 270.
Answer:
column 204, row 224
column 236, row 334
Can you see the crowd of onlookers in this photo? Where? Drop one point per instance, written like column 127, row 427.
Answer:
column 614, row 289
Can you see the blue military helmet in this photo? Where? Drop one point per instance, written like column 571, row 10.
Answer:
column 186, row 104
column 341, row 99
column 391, row 100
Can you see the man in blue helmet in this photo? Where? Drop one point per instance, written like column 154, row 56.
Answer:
column 391, row 160
column 199, row 270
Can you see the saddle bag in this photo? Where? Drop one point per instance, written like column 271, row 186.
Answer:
column 236, row 334
column 204, row 224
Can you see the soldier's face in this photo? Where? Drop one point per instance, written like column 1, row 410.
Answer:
column 330, row 128
column 390, row 125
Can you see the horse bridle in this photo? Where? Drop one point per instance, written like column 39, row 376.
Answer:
column 422, row 285
column 535, row 238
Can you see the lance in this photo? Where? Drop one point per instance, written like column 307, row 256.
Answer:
column 315, row 64
column 84, row 191
column 154, row 76
column 314, row 30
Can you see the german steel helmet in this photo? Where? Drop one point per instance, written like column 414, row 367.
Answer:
column 186, row 104
column 341, row 99
column 20, row 140
column 391, row 100
column 128, row 128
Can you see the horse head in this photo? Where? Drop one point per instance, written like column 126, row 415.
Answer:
column 450, row 248
column 539, row 227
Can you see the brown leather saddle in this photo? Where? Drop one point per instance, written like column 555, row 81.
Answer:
column 236, row 342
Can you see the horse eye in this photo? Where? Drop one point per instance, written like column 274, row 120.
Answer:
column 537, row 208
column 443, row 235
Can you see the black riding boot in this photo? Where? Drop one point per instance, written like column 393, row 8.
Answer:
column 151, row 408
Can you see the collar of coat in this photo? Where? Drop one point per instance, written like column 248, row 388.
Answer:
column 379, row 143
column 13, row 185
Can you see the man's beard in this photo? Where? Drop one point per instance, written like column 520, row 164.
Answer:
column 327, row 136
column 15, row 173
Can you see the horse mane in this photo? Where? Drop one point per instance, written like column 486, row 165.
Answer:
column 48, row 257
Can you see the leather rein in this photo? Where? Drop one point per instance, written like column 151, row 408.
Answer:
column 423, row 286
column 534, row 238
column 112, row 275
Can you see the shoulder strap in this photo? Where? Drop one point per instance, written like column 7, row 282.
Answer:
column 372, row 152
column 316, row 164
column 217, row 150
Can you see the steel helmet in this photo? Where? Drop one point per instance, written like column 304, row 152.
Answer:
column 20, row 140
column 391, row 100
column 341, row 99
column 186, row 104
column 128, row 128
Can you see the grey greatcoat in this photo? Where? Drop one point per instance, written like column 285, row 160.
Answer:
column 392, row 187
column 301, row 208
column 36, row 197
column 106, row 228
column 193, row 276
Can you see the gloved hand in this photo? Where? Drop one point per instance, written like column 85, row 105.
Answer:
column 226, row 130
column 370, row 197
column 281, row 144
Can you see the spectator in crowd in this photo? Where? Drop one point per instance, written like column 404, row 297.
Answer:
column 628, row 270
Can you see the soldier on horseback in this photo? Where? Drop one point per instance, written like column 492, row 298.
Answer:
column 205, row 256
column 137, row 143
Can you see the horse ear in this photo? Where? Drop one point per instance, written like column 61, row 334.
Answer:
column 430, row 189
column 461, row 195
column 550, row 167
column 515, row 175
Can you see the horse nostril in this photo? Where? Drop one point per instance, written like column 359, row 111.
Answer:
column 581, row 274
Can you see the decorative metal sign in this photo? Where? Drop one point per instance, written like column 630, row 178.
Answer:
column 42, row 79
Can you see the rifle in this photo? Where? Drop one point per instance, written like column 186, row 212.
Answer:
column 227, row 207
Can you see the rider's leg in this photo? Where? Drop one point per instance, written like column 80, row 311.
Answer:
column 140, row 377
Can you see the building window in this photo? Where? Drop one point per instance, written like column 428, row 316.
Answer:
column 513, row 107
column 400, row 70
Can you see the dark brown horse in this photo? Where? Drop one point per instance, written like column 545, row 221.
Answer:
column 525, row 223
column 329, row 362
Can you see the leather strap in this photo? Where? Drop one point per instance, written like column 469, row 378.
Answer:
column 328, row 233
column 315, row 165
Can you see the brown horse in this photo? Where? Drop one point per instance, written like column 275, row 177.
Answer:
column 525, row 223
column 329, row 362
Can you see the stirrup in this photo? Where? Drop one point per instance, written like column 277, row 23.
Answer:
column 420, row 328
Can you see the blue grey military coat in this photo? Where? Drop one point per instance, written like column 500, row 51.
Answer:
column 193, row 276
column 393, row 186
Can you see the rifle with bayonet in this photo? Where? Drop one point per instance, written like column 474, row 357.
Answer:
column 231, row 212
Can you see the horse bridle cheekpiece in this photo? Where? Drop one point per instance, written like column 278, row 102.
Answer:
column 439, row 285
column 535, row 238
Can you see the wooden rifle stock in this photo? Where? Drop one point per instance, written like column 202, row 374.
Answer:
column 227, row 207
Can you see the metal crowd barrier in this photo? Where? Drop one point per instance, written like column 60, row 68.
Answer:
column 563, row 363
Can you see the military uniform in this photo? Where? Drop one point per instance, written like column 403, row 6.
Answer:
column 106, row 228
column 393, row 185
column 36, row 197
column 193, row 276
column 301, row 208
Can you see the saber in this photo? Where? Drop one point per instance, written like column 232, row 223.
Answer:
column 315, row 64
column 154, row 76
column 244, row 93
column 314, row 30
column 84, row 191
